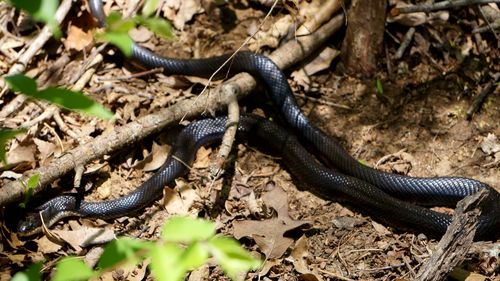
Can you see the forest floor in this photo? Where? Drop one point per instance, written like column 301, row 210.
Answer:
column 418, row 126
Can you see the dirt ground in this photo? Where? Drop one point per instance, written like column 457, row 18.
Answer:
column 416, row 127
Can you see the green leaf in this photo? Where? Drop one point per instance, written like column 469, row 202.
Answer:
column 194, row 256
column 122, row 249
column 380, row 87
column 71, row 100
column 165, row 264
column 149, row 7
column 119, row 39
column 22, row 83
column 115, row 23
column 41, row 10
column 76, row 101
column 158, row 25
column 231, row 256
column 187, row 230
column 6, row 135
column 33, row 181
column 33, row 273
column 29, row 187
column 72, row 268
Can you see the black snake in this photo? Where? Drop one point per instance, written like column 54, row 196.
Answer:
column 378, row 193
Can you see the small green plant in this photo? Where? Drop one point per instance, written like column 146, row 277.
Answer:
column 380, row 87
column 117, row 29
column 185, row 245
column 28, row 188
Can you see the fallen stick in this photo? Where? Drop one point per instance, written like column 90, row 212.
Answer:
column 452, row 248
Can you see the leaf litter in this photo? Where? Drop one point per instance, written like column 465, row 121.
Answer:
column 339, row 244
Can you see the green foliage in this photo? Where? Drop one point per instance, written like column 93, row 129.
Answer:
column 122, row 249
column 187, row 244
column 30, row 274
column 149, row 7
column 117, row 28
column 6, row 135
column 159, row 26
column 182, row 230
column 72, row 268
column 71, row 100
column 28, row 188
column 41, row 10
column 380, row 87
column 232, row 258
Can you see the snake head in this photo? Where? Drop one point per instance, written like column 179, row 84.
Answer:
column 30, row 225
column 50, row 212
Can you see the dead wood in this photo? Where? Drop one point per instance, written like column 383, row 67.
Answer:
column 457, row 240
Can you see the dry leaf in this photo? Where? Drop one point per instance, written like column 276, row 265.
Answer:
column 46, row 149
column 347, row 222
column 321, row 62
column 22, row 153
column 154, row 160
column 268, row 265
column 179, row 200
column 310, row 277
column 86, row 236
column 202, row 158
column 490, row 145
column 199, row 274
column 77, row 39
column 268, row 234
column 381, row 230
column 93, row 256
column 46, row 246
column 159, row 157
column 11, row 175
column 140, row 34
column 180, row 12
column 300, row 253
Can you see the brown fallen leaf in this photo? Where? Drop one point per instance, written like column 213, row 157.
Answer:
column 46, row 149
column 77, row 39
column 46, row 246
column 22, row 153
column 179, row 200
column 321, row 62
column 154, row 159
column 268, row 234
column 202, row 158
column 85, row 236
column 381, row 230
column 180, row 12
column 299, row 254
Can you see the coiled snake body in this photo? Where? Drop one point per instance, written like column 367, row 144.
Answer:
column 378, row 193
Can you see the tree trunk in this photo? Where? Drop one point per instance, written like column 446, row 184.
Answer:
column 364, row 37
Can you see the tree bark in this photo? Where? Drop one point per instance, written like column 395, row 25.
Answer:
column 364, row 36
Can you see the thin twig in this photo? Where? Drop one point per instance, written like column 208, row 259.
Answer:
column 233, row 118
column 479, row 99
column 134, row 75
column 405, row 43
column 426, row 7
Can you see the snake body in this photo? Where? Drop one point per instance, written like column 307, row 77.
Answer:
column 379, row 193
